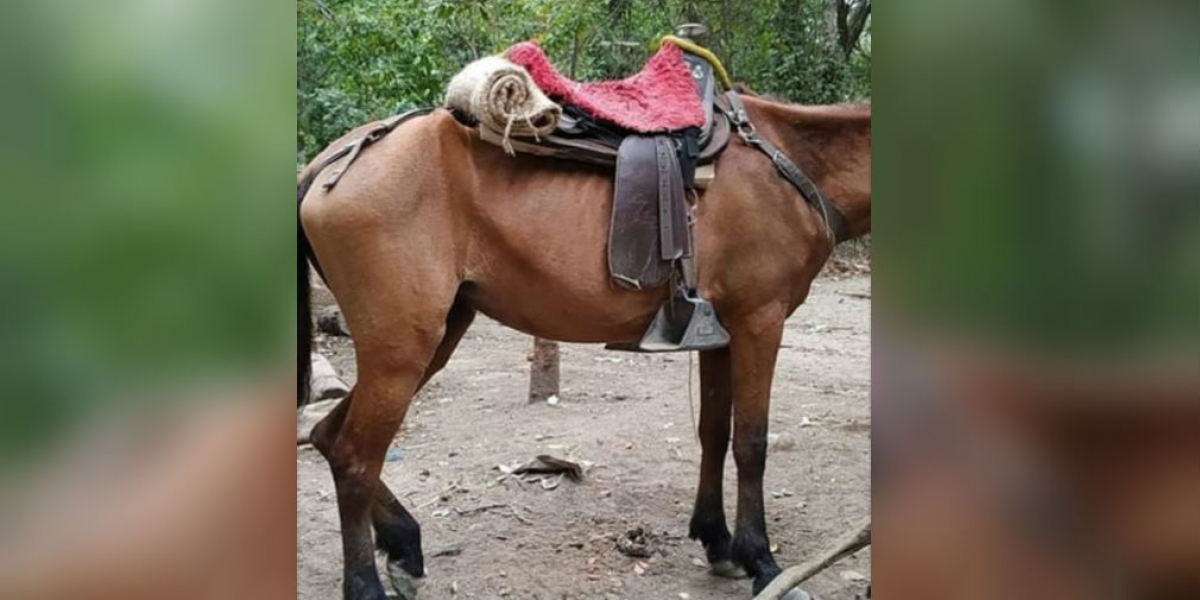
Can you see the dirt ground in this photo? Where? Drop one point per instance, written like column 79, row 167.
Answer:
column 627, row 415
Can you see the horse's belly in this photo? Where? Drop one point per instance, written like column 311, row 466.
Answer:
column 559, row 289
column 565, row 311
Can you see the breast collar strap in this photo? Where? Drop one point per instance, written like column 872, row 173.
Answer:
column 830, row 214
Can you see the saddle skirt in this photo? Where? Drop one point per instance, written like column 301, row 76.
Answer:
column 660, row 98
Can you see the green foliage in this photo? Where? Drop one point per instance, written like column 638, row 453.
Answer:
column 364, row 59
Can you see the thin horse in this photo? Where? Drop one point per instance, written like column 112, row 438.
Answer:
column 433, row 225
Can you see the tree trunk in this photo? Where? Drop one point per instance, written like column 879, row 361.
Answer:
column 574, row 55
column 846, row 21
column 836, row 22
column 543, row 370
column 858, row 22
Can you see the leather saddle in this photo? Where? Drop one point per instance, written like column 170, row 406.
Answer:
column 650, row 237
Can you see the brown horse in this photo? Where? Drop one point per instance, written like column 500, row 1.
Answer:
column 432, row 224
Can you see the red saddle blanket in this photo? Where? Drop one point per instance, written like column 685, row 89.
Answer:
column 662, row 97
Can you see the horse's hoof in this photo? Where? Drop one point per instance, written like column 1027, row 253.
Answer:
column 726, row 568
column 403, row 584
column 798, row 594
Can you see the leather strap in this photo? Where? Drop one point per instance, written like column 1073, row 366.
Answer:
column 829, row 213
column 352, row 149
column 370, row 137
column 664, row 152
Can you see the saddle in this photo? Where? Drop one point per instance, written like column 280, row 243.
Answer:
column 655, row 149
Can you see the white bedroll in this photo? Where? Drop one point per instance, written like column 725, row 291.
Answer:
column 504, row 99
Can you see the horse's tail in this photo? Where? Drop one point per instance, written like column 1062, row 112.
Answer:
column 303, row 298
column 303, row 323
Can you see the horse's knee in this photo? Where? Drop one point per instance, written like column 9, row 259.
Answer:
column 750, row 450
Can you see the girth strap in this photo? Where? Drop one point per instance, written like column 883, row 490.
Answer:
column 829, row 213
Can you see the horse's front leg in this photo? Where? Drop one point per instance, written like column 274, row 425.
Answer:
column 708, row 518
column 753, row 349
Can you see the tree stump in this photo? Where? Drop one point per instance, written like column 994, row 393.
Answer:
column 543, row 370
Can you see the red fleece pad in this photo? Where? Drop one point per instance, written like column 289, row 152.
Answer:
column 661, row 97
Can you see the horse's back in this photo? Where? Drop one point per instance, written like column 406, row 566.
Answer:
column 402, row 155
column 523, row 236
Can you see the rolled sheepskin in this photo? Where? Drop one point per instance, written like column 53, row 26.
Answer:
column 503, row 98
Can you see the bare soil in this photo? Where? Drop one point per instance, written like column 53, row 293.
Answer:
column 628, row 416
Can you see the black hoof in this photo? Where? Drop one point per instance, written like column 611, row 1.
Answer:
column 794, row 594
column 400, row 539
column 404, row 583
column 727, row 569
column 363, row 584
column 797, row 594
column 767, row 573
column 410, row 564
column 714, row 535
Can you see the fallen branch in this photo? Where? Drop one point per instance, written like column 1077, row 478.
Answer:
column 444, row 494
column 859, row 295
column 478, row 509
column 853, row 541
column 519, row 517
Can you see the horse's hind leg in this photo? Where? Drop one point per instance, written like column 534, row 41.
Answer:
column 396, row 336
column 397, row 533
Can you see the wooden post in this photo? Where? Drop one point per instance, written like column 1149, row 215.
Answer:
column 543, row 364
column 543, row 370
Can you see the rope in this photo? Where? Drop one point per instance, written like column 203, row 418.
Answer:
column 691, row 404
column 702, row 52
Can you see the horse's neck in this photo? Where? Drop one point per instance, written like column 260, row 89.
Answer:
column 832, row 144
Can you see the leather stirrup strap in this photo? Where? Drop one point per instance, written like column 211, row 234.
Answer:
column 829, row 213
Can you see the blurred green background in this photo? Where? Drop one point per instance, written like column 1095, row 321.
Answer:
column 1038, row 165
column 147, row 169
column 363, row 59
